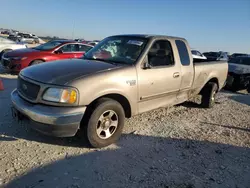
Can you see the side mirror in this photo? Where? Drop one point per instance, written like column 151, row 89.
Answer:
column 59, row 51
column 145, row 65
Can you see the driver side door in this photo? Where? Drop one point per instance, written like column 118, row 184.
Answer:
column 159, row 84
column 67, row 51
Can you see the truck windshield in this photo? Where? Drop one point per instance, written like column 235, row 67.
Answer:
column 118, row 49
column 48, row 46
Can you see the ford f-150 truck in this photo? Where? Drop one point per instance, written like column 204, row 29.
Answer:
column 120, row 77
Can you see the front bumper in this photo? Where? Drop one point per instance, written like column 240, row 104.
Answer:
column 49, row 120
column 239, row 80
column 11, row 65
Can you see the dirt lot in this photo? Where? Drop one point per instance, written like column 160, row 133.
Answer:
column 183, row 146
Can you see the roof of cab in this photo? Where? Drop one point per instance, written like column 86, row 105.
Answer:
column 147, row 36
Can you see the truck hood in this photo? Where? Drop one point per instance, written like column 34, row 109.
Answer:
column 62, row 71
column 239, row 68
column 20, row 52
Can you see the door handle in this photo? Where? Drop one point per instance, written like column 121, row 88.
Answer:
column 176, row 74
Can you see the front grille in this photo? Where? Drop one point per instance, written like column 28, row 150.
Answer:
column 28, row 89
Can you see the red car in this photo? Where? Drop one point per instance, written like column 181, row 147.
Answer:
column 54, row 50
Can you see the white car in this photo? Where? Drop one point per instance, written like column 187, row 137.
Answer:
column 8, row 45
column 197, row 55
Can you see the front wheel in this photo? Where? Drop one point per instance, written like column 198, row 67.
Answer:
column 248, row 88
column 105, row 123
column 208, row 95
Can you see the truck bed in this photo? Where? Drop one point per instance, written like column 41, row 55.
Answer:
column 206, row 70
column 204, row 60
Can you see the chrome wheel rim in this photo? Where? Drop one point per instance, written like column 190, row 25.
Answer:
column 213, row 96
column 107, row 124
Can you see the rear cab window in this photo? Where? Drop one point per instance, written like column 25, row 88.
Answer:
column 183, row 52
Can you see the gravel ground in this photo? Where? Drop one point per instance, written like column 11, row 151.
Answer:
column 183, row 146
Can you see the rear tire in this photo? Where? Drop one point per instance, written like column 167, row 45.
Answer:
column 35, row 62
column 105, row 123
column 208, row 95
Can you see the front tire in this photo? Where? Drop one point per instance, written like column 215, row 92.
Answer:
column 105, row 123
column 248, row 88
column 208, row 95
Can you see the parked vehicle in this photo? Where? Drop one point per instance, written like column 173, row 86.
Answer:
column 79, row 40
column 14, row 37
column 50, row 51
column 8, row 32
column 197, row 55
column 5, row 32
column 8, row 45
column 238, row 73
column 93, row 43
column 122, row 76
column 216, row 56
column 234, row 55
column 28, row 38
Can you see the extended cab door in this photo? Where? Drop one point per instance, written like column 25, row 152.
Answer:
column 159, row 81
column 187, row 69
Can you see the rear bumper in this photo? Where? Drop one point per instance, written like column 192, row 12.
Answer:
column 49, row 120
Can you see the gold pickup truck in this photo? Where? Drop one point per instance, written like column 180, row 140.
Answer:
column 122, row 76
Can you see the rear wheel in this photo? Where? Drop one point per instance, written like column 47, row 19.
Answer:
column 36, row 62
column 208, row 95
column 105, row 123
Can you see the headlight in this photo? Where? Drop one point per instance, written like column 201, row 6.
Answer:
column 60, row 95
column 19, row 58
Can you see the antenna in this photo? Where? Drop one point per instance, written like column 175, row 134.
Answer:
column 73, row 30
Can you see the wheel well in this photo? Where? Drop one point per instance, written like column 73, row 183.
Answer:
column 213, row 80
column 119, row 98
column 5, row 50
column 36, row 60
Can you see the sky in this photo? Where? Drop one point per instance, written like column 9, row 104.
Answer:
column 208, row 25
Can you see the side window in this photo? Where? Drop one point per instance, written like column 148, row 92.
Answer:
column 183, row 52
column 69, row 48
column 199, row 54
column 194, row 52
column 161, row 54
column 84, row 48
column 26, row 36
